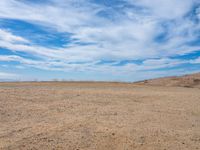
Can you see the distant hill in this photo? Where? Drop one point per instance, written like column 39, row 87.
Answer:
column 190, row 81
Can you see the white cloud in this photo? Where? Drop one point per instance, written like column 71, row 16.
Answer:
column 128, row 38
column 8, row 76
column 165, row 9
column 93, row 66
column 195, row 61
column 9, row 37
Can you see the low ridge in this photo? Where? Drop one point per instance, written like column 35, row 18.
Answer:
column 190, row 81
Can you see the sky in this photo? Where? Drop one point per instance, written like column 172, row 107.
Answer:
column 98, row 40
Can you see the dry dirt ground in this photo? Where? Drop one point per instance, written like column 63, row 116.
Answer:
column 98, row 116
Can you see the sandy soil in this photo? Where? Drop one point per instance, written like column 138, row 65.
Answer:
column 99, row 116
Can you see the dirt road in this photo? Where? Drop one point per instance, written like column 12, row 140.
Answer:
column 98, row 116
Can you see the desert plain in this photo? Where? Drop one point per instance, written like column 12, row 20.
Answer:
column 98, row 116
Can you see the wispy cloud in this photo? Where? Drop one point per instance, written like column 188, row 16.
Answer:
column 10, row 38
column 4, row 76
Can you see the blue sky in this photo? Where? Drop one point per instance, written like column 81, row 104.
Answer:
column 104, row 40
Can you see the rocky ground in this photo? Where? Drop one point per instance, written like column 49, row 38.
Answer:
column 98, row 116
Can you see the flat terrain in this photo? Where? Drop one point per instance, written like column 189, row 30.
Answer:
column 98, row 116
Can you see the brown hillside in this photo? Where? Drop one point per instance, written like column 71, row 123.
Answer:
column 191, row 81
